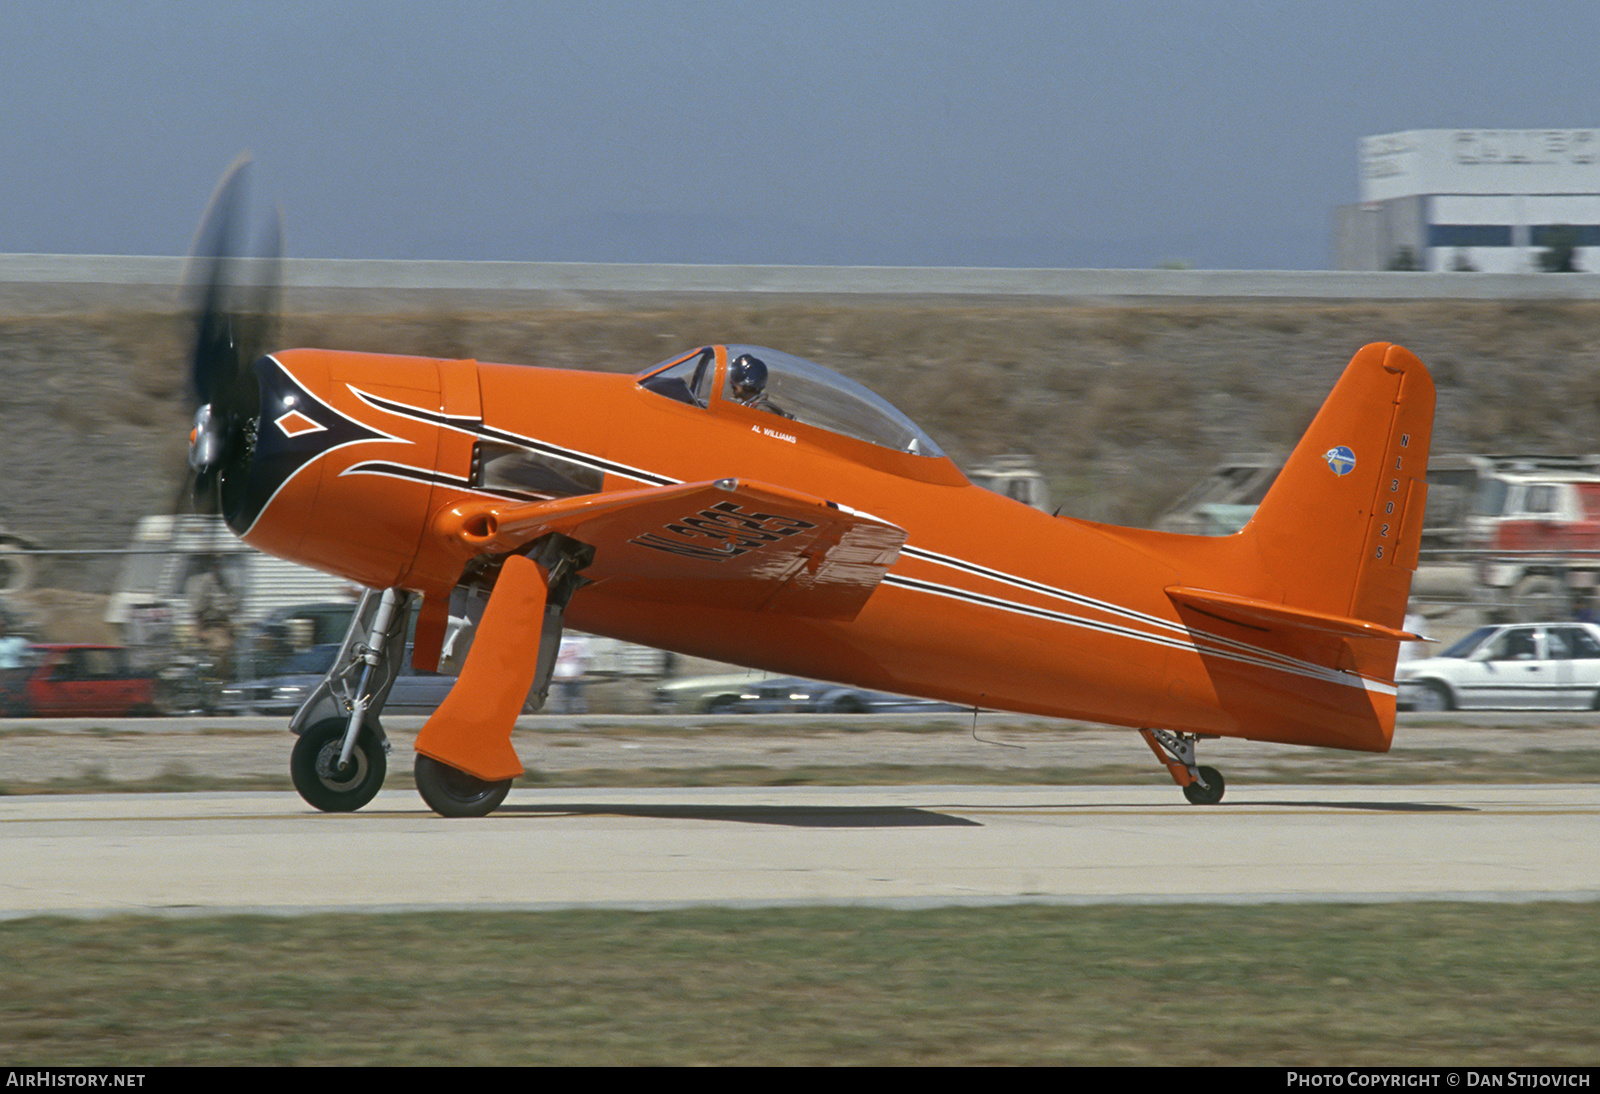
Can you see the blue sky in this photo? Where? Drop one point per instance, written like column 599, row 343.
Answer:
column 934, row 133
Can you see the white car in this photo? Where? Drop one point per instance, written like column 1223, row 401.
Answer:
column 1525, row 666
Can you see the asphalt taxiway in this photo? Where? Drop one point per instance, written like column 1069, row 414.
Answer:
column 896, row 846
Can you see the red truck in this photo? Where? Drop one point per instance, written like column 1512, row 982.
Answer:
column 76, row 681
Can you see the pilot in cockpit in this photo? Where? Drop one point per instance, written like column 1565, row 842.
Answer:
column 747, row 376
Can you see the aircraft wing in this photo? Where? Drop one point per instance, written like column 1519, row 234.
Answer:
column 731, row 543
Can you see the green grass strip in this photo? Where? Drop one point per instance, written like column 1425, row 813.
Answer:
column 1308, row 984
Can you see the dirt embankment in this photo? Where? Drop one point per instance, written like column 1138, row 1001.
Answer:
column 1123, row 405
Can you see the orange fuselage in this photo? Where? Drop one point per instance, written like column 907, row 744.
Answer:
column 370, row 474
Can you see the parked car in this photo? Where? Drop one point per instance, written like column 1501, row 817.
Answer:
column 292, row 631
column 792, row 694
column 62, row 680
column 1529, row 666
column 703, row 694
column 413, row 693
column 746, row 693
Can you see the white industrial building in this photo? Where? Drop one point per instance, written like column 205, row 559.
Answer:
column 1492, row 200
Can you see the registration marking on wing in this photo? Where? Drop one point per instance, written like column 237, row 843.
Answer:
column 732, row 529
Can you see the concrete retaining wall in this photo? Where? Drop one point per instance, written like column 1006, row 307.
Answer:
column 55, row 282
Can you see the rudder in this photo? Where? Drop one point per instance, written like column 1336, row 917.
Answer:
column 1340, row 530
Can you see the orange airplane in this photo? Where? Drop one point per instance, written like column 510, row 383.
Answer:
column 744, row 505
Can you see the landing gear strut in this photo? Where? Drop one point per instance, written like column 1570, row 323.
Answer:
column 1176, row 751
column 340, row 760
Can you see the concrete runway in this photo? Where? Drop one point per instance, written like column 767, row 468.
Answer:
column 892, row 846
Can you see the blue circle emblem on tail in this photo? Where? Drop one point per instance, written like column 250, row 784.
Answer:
column 1341, row 459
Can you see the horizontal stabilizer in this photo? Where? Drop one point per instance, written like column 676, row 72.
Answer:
column 1266, row 614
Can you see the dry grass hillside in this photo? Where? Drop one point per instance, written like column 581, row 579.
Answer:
column 1123, row 405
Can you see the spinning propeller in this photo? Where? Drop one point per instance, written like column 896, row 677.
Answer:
column 234, row 298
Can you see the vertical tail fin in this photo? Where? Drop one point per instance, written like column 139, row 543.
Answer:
column 1321, row 574
column 1340, row 529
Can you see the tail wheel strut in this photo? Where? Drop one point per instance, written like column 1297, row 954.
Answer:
column 1176, row 752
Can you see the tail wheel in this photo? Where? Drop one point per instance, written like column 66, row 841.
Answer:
column 1209, row 794
column 1176, row 751
column 451, row 792
column 314, row 767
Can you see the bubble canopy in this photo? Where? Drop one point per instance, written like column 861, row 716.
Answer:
column 794, row 389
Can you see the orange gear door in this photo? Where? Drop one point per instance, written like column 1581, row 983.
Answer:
column 471, row 730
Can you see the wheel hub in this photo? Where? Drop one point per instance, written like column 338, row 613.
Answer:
column 336, row 776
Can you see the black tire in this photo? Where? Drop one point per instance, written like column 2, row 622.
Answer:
column 314, row 767
column 1433, row 698
column 848, row 704
column 451, row 792
column 1211, row 793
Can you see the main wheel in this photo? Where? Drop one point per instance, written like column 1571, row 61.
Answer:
column 451, row 792
column 314, row 766
column 1211, row 793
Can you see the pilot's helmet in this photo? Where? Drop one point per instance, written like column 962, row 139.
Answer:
column 748, row 375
